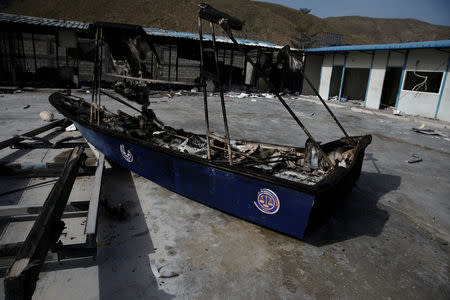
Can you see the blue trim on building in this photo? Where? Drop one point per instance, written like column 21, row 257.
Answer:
column 401, row 79
column 442, row 89
column 368, row 79
column 415, row 45
column 342, row 77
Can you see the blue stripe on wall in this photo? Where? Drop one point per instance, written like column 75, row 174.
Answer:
column 401, row 79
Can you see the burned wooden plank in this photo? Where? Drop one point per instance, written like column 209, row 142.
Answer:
column 211, row 14
column 20, row 281
column 16, row 139
column 91, row 222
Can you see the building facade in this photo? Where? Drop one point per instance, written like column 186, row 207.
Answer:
column 406, row 77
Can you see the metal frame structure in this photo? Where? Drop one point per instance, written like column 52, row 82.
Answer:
column 31, row 255
column 227, row 23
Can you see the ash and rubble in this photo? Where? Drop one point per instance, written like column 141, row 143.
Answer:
column 300, row 165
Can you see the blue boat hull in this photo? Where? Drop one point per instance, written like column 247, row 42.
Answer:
column 274, row 206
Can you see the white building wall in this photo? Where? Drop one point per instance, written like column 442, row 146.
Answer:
column 444, row 107
column 375, row 86
column 313, row 65
column 327, row 67
column 422, row 103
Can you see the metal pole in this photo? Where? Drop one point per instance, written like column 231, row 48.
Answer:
column 203, row 83
column 245, row 66
column 100, row 76
column 94, row 81
column 34, row 53
column 342, row 78
column 272, row 87
column 222, row 100
column 170, row 64
column 326, row 106
column 176, row 66
column 57, row 52
column 231, row 71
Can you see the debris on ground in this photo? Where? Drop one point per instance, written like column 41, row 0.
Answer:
column 117, row 211
column 161, row 272
column 71, row 128
column 26, row 106
column 416, row 158
column 46, row 116
column 426, row 131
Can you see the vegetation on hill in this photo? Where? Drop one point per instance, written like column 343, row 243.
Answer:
column 264, row 21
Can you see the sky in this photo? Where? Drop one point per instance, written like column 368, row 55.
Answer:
column 431, row 11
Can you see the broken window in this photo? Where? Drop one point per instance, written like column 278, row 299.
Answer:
column 423, row 81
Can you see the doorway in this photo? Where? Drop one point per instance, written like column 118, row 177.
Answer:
column 355, row 83
column 335, row 82
column 390, row 86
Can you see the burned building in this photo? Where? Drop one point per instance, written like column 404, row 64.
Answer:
column 48, row 52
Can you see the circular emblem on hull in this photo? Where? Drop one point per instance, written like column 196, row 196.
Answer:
column 267, row 202
column 127, row 155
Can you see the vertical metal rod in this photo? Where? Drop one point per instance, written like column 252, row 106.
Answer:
column 326, row 106
column 245, row 66
column 342, row 78
column 258, row 62
column 57, row 52
column 94, row 79
column 170, row 63
column 34, row 53
column 222, row 100
column 230, row 75
column 151, row 65
column 176, row 66
column 99, row 86
column 203, row 83
column 272, row 87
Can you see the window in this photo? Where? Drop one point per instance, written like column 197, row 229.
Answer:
column 423, row 81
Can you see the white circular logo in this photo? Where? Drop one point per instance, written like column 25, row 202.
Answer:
column 127, row 155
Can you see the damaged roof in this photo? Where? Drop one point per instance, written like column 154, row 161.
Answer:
column 27, row 20
column 18, row 19
column 207, row 37
column 396, row 46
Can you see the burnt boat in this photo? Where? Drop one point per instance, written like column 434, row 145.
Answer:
column 284, row 188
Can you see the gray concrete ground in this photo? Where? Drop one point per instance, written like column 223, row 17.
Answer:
column 389, row 239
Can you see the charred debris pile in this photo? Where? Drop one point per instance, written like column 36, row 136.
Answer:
column 302, row 165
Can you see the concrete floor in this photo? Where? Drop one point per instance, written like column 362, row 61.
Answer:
column 389, row 239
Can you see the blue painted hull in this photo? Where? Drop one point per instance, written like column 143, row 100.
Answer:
column 225, row 190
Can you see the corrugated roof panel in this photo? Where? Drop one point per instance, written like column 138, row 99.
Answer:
column 7, row 18
column 207, row 37
column 414, row 45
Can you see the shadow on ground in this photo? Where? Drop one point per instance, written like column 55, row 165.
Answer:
column 358, row 214
column 22, row 152
column 124, row 244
